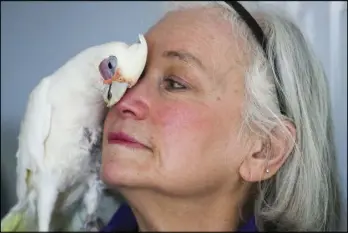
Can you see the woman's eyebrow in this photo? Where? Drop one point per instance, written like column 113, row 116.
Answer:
column 184, row 56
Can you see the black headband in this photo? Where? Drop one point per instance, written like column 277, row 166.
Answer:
column 262, row 40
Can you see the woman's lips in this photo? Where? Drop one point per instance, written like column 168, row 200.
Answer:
column 124, row 139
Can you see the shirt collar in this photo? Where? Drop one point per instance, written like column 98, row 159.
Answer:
column 124, row 220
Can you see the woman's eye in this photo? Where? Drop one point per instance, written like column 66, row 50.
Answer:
column 171, row 84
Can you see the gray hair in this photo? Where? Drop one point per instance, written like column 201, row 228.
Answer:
column 303, row 195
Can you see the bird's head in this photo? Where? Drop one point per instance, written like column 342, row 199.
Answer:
column 122, row 69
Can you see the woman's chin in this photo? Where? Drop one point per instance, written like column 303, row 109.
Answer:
column 123, row 170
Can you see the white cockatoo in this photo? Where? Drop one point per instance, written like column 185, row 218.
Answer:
column 58, row 158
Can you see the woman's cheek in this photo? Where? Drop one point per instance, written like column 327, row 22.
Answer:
column 182, row 128
column 181, row 119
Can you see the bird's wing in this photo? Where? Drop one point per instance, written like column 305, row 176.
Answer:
column 35, row 128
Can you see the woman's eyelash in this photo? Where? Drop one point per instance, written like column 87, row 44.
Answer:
column 170, row 83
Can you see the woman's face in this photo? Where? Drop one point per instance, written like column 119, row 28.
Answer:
column 186, row 110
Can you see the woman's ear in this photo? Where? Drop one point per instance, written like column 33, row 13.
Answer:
column 267, row 156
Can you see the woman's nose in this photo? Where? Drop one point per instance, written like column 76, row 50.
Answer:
column 134, row 103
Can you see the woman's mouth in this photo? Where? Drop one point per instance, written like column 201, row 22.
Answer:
column 125, row 140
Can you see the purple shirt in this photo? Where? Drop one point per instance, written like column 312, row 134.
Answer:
column 124, row 220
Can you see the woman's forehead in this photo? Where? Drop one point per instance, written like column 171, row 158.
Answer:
column 200, row 32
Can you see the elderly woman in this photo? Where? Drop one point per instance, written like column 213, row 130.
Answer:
column 227, row 130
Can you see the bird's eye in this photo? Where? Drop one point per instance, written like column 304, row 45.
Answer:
column 107, row 67
column 112, row 62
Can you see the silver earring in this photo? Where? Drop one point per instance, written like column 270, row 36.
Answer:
column 267, row 171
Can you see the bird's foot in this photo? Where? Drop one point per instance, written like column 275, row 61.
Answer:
column 92, row 224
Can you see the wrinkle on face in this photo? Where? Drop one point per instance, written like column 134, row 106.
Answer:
column 193, row 132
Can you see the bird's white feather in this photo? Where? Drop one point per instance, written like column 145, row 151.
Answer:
column 34, row 129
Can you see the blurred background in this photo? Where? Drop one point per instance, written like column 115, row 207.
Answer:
column 38, row 37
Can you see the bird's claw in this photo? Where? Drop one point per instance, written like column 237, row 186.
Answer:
column 92, row 224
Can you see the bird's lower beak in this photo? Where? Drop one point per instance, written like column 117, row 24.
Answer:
column 115, row 93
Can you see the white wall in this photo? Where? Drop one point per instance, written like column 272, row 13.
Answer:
column 38, row 37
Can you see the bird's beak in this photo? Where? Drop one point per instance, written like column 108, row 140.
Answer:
column 138, row 56
column 127, row 76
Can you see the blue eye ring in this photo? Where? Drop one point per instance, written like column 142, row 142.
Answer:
column 112, row 63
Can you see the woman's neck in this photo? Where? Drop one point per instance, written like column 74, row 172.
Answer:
column 156, row 212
